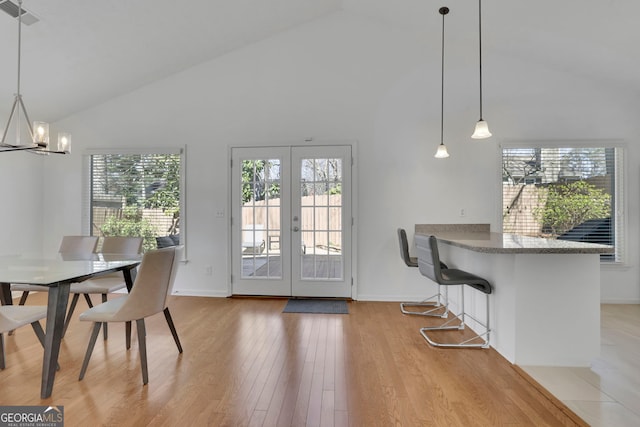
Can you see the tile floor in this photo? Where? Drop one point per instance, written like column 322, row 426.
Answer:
column 608, row 393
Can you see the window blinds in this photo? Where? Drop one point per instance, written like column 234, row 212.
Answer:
column 136, row 194
column 571, row 193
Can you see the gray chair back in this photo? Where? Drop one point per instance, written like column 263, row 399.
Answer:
column 428, row 257
column 404, row 249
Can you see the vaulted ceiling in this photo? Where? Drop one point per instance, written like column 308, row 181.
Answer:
column 83, row 52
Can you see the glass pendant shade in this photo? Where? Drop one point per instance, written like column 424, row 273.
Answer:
column 442, row 152
column 41, row 134
column 64, row 142
column 481, row 131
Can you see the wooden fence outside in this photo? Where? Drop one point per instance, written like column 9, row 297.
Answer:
column 320, row 212
column 519, row 203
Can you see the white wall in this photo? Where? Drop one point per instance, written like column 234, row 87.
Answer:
column 21, row 209
column 347, row 78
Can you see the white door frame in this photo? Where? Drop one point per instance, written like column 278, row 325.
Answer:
column 354, row 206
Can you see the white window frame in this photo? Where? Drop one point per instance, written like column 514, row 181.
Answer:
column 621, row 213
column 86, row 183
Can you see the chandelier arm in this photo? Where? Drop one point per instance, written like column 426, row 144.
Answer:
column 6, row 128
column 4, row 148
column 26, row 116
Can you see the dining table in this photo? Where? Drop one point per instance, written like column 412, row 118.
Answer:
column 57, row 273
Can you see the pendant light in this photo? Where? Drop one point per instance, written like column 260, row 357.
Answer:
column 38, row 138
column 442, row 152
column 482, row 128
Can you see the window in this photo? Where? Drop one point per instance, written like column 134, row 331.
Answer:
column 136, row 194
column 569, row 193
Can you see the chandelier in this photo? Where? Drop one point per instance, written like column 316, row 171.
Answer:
column 37, row 140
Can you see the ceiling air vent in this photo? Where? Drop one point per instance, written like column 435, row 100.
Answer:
column 11, row 9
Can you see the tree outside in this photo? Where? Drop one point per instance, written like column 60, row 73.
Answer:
column 132, row 224
column 570, row 204
column 165, row 192
column 260, row 180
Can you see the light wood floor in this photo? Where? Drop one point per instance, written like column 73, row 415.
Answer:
column 247, row 363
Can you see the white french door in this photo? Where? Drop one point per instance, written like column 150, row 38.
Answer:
column 291, row 221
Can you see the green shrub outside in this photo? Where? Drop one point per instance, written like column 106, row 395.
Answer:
column 132, row 224
column 570, row 204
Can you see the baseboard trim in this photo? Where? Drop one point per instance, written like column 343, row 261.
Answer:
column 620, row 301
column 199, row 293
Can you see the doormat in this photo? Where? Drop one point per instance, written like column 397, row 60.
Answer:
column 316, row 306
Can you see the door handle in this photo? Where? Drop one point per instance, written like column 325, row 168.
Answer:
column 296, row 228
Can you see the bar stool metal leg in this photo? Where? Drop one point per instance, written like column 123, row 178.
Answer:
column 457, row 322
column 435, row 306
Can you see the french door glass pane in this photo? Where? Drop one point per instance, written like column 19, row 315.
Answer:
column 260, row 226
column 321, row 212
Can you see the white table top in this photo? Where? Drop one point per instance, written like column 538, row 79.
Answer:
column 49, row 271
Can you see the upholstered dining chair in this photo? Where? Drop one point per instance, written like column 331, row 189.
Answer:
column 108, row 283
column 435, row 305
column 152, row 285
column 15, row 316
column 73, row 246
column 429, row 266
column 78, row 245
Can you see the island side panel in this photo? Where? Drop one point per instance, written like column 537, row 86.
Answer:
column 545, row 308
column 558, row 309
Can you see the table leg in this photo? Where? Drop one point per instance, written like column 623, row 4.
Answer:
column 129, row 277
column 5, row 294
column 56, row 310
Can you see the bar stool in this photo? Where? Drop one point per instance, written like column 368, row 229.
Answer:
column 435, row 305
column 429, row 266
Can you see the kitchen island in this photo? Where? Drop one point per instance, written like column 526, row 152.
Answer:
column 545, row 306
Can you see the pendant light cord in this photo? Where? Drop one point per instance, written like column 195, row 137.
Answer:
column 480, row 50
column 18, row 96
column 443, row 11
column 19, row 42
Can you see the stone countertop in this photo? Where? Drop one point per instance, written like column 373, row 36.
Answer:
column 504, row 243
